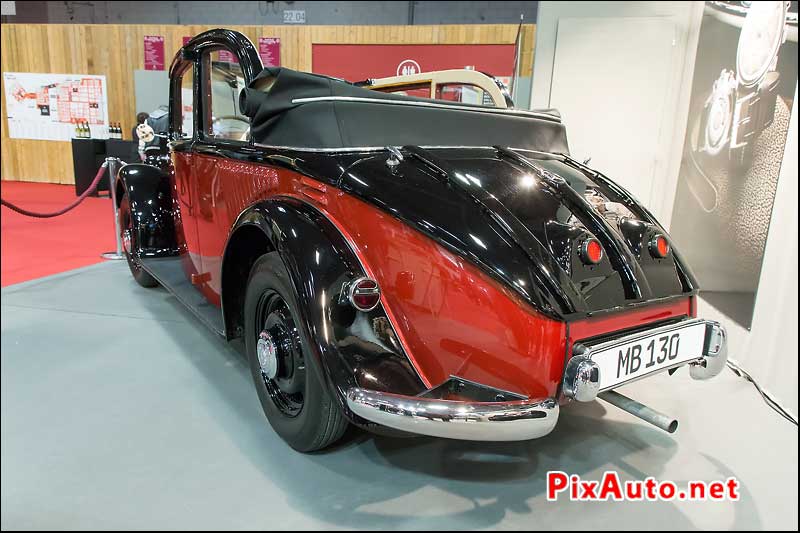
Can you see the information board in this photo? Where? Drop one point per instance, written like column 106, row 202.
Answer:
column 154, row 52
column 269, row 49
column 48, row 106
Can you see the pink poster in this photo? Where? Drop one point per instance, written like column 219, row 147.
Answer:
column 229, row 57
column 269, row 48
column 154, row 52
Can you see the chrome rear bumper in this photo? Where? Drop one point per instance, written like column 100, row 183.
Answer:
column 509, row 420
column 582, row 376
column 480, row 421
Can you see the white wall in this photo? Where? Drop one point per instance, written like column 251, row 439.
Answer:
column 686, row 18
column 769, row 350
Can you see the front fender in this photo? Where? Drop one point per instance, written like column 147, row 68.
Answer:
column 150, row 197
column 354, row 349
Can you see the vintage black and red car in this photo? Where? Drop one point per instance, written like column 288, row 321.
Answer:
column 404, row 264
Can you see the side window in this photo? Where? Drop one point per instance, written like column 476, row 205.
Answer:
column 180, row 120
column 465, row 93
column 421, row 90
column 186, row 125
column 222, row 83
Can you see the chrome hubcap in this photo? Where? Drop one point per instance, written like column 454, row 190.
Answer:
column 267, row 355
column 280, row 354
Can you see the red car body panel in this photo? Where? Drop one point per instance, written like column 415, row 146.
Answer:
column 632, row 318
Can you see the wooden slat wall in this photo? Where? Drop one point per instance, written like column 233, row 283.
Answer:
column 116, row 50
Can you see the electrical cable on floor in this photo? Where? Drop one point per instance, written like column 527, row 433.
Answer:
column 739, row 371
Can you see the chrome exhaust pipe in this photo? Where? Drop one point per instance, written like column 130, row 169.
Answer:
column 659, row 420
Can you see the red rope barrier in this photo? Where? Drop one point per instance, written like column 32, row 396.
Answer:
column 71, row 206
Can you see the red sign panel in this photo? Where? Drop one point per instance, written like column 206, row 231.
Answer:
column 362, row 61
column 269, row 49
column 154, row 52
column 229, row 57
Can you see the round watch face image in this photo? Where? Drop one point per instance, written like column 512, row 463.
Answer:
column 720, row 112
column 762, row 35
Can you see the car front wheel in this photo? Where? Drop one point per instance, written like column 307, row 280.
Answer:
column 287, row 377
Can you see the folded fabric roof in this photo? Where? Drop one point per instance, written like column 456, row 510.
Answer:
column 291, row 108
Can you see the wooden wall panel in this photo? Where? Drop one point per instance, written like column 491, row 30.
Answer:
column 116, row 50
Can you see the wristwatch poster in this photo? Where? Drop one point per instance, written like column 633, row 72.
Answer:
column 743, row 90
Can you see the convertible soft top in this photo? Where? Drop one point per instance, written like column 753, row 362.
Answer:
column 291, row 108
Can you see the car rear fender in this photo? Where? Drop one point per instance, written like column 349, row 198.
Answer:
column 354, row 349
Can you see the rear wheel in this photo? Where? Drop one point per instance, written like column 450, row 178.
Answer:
column 141, row 276
column 287, row 378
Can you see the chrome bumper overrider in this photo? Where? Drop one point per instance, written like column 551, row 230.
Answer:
column 582, row 379
column 480, row 421
column 715, row 355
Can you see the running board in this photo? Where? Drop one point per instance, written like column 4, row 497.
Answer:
column 170, row 274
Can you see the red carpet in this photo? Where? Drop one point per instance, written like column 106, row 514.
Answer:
column 34, row 247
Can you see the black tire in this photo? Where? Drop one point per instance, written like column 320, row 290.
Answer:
column 141, row 276
column 296, row 402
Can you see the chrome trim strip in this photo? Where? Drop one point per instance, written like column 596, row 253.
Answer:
column 495, row 110
column 479, row 421
column 350, row 149
column 322, row 150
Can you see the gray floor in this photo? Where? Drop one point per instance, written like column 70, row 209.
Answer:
column 120, row 411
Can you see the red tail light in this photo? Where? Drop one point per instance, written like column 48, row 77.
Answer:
column 659, row 247
column 364, row 294
column 591, row 251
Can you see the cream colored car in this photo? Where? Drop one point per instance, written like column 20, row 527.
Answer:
column 457, row 85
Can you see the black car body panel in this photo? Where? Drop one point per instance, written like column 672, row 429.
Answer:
column 522, row 217
column 150, row 196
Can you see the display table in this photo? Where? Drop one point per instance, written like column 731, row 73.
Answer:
column 88, row 156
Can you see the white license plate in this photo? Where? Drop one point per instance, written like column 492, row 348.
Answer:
column 636, row 356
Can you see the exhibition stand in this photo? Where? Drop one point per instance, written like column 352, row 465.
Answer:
column 420, row 301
